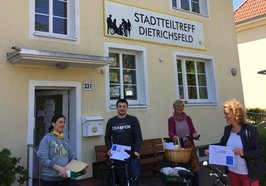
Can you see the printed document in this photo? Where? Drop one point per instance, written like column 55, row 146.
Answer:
column 118, row 152
column 221, row 155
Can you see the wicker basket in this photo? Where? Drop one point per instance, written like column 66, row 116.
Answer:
column 179, row 155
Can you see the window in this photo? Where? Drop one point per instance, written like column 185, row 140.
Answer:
column 122, row 77
column 195, row 6
column 126, row 76
column 55, row 18
column 195, row 80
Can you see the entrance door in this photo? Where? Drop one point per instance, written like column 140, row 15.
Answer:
column 48, row 103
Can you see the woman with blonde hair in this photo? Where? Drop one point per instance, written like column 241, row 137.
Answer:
column 247, row 145
column 180, row 126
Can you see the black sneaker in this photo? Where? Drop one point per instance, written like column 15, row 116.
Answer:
column 134, row 180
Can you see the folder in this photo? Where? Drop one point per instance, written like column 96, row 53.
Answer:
column 76, row 168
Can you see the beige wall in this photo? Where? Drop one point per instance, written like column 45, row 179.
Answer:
column 220, row 42
column 251, row 38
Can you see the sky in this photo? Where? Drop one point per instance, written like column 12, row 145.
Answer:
column 236, row 3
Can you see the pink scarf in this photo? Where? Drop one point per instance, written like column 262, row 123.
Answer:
column 179, row 116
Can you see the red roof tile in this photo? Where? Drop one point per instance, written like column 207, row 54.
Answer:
column 250, row 9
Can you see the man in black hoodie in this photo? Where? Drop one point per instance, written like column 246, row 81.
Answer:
column 124, row 129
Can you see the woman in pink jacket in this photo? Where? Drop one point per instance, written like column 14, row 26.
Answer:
column 181, row 126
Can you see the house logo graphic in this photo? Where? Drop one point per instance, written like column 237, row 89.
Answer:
column 123, row 29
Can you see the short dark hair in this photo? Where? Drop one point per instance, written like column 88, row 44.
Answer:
column 121, row 101
column 54, row 119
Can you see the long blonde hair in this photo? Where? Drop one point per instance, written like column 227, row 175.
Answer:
column 238, row 110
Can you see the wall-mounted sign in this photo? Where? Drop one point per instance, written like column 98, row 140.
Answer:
column 140, row 24
column 87, row 86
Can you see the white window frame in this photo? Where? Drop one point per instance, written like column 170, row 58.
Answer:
column 210, row 78
column 73, row 17
column 203, row 7
column 141, row 76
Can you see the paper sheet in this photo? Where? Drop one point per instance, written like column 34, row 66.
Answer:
column 221, row 155
column 118, row 152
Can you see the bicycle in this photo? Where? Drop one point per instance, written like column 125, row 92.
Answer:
column 215, row 172
column 179, row 175
column 130, row 181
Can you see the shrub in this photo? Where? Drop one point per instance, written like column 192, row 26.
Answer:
column 10, row 170
column 256, row 115
column 262, row 131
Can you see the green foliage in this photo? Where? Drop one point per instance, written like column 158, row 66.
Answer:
column 262, row 131
column 256, row 115
column 10, row 170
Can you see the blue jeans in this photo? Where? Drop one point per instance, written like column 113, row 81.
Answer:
column 135, row 167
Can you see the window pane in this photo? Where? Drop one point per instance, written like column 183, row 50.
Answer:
column 190, row 67
column 129, row 61
column 60, row 8
column 179, row 65
column 114, row 76
column 181, row 92
column 116, row 62
column 42, row 6
column 130, row 92
column 129, row 76
column 42, row 23
column 59, row 26
column 185, row 4
column 195, row 7
column 201, row 67
column 180, row 79
column 191, row 80
column 192, row 93
column 203, row 93
column 114, row 92
column 202, row 80
column 174, row 4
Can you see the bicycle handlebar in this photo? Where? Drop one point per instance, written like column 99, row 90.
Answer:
column 132, row 155
column 217, row 173
column 194, row 138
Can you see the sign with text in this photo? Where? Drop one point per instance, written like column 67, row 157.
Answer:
column 140, row 24
column 221, row 155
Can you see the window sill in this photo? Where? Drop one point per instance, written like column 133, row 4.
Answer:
column 201, row 104
column 55, row 36
column 130, row 106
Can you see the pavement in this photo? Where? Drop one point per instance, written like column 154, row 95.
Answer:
column 154, row 179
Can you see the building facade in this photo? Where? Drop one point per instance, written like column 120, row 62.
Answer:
column 78, row 57
column 250, row 20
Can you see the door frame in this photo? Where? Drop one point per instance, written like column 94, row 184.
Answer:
column 74, row 115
